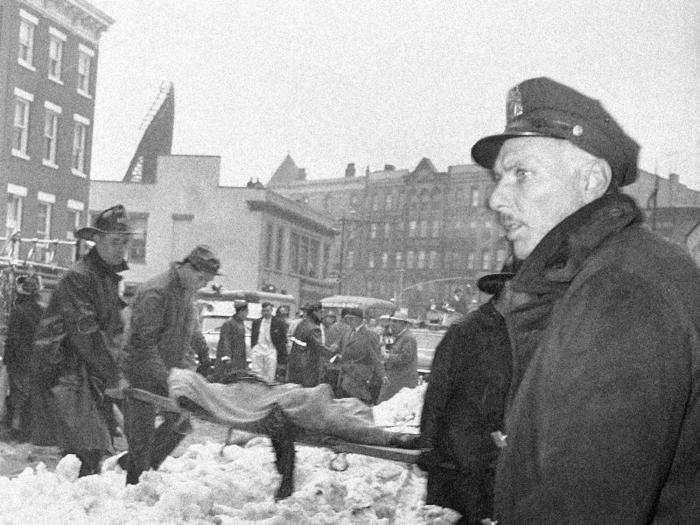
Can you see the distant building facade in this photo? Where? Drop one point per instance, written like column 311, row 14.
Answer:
column 415, row 236
column 264, row 240
column 48, row 67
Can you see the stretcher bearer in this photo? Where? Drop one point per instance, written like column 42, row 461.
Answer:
column 164, row 335
column 77, row 345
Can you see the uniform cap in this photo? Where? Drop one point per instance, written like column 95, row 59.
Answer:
column 112, row 220
column 541, row 107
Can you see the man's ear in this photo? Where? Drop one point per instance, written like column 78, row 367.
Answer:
column 595, row 179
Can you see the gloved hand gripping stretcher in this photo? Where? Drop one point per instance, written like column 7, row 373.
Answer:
column 286, row 413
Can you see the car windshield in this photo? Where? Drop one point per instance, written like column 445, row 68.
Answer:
column 212, row 324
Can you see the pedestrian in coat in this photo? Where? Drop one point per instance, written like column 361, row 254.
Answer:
column 278, row 332
column 78, row 341
column 164, row 335
column 604, row 423
column 231, row 348
column 304, row 364
column 464, row 405
column 263, row 354
column 21, row 326
column 362, row 372
column 401, row 362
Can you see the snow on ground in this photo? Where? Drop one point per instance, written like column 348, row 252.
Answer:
column 230, row 485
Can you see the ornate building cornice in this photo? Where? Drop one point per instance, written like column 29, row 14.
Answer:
column 79, row 16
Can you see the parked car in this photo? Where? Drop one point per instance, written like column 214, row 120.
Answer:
column 427, row 340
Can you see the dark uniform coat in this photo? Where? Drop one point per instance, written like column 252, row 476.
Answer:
column 74, row 357
column 304, row 363
column 464, row 403
column 401, row 365
column 604, row 425
column 232, row 344
column 361, row 367
column 21, row 326
column 278, row 334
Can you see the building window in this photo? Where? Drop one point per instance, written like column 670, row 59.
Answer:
column 56, row 39
column 43, row 230
column 412, row 228
column 370, row 260
column 432, row 260
column 399, row 260
column 373, row 230
column 354, row 200
column 421, row 260
column 27, row 24
column 387, row 229
column 79, row 138
column 436, row 229
column 50, row 133
column 486, row 260
column 424, row 228
column 20, row 136
column 410, row 259
column 269, row 238
column 75, row 213
column 376, row 199
column 304, row 255
column 278, row 248
column 294, row 252
column 350, row 259
column 385, row 260
column 314, row 264
column 500, row 258
column 13, row 220
column 325, row 268
column 85, row 55
column 476, row 198
column 388, row 202
column 137, row 247
column 370, row 288
column 471, row 261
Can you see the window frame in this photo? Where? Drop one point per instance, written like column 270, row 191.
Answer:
column 59, row 38
column 30, row 22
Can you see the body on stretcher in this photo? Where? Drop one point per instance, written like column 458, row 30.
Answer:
column 301, row 435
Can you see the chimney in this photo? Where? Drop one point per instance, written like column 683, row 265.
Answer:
column 389, row 167
column 350, row 170
column 673, row 178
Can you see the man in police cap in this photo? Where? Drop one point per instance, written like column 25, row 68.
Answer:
column 604, row 423
column 78, row 345
column 304, row 362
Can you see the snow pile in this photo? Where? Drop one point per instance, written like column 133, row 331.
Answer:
column 402, row 411
column 233, row 485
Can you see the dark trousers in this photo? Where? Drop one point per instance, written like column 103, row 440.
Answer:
column 148, row 446
column 472, row 497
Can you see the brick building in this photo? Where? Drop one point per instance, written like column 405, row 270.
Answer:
column 48, row 66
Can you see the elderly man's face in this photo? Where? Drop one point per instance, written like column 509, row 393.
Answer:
column 537, row 186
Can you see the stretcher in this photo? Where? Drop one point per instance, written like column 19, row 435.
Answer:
column 283, row 435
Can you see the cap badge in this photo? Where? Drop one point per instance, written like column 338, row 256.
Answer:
column 514, row 104
column 577, row 131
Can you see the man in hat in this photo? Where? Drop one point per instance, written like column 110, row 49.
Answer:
column 278, row 333
column 304, row 363
column 401, row 362
column 604, row 424
column 231, row 349
column 21, row 325
column 464, row 405
column 78, row 343
column 165, row 334
column 361, row 369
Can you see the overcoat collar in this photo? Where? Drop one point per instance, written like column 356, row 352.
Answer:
column 97, row 263
column 560, row 255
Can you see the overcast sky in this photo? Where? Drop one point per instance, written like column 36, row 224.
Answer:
column 377, row 83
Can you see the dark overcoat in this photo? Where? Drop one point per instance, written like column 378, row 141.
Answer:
column 401, row 365
column 304, row 363
column 164, row 333
column 464, row 404
column 232, row 344
column 604, row 425
column 361, row 366
column 74, row 357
